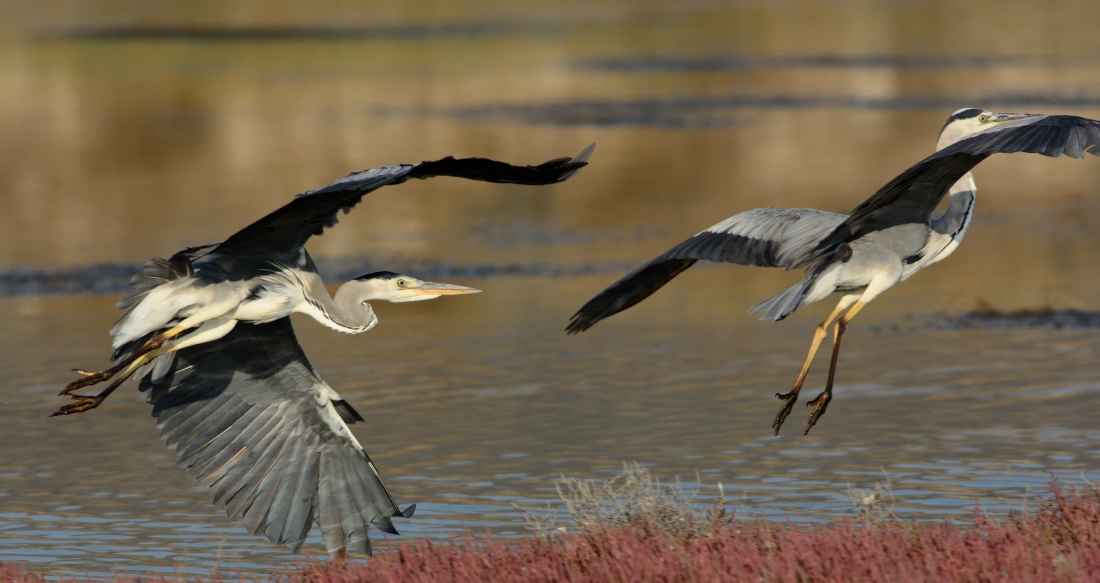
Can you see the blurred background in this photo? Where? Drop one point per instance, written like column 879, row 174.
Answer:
column 132, row 129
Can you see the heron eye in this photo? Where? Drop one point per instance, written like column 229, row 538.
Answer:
column 400, row 283
column 983, row 118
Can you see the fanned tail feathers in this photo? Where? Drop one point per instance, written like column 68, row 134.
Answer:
column 781, row 305
column 155, row 273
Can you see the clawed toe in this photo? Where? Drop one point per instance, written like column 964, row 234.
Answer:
column 83, row 404
column 90, row 378
column 785, row 409
column 820, row 403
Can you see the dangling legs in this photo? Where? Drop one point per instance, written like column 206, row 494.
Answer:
column 210, row 330
column 822, row 401
column 91, row 378
column 819, row 335
column 223, row 308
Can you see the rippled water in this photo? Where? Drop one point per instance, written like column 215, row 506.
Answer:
column 133, row 131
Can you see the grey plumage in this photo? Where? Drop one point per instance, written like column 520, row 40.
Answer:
column 913, row 195
column 884, row 241
column 250, row 417
column 236, row 397
column 947, row 231
column 791, row 238
column 764, row 237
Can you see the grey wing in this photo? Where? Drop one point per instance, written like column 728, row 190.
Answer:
column 913, row 195
column 249, row 417
column 765, row 237
column 286, row 229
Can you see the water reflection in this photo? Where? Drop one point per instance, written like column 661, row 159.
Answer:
column 117, row 149
column 744, row 63
column 707, row 112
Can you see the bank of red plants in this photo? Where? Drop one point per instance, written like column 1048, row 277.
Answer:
column 1060, row 542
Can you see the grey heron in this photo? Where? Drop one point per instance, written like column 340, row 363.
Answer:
column 882, row 242
column 235, row 395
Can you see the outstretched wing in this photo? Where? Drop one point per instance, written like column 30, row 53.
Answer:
column 248, row 416
column 914, row 194
column 765, row 237
column 286, row 229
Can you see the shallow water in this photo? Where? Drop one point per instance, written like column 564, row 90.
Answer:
column 128, row 132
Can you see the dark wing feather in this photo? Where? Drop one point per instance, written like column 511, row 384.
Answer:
column 286, row 229
column 249, row 417
column 764, row 237
column 913, row 195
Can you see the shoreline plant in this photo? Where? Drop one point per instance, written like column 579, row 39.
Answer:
column 634, row 528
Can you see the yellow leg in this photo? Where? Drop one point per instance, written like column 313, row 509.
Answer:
column 91, row 378
column 852, row 313
column 820, row 332
column 143, row 360
column 822, row 401
column 208, row 331
column 84, row 402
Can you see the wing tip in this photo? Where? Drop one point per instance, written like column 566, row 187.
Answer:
column 575, row 328
column 586, row 154
column 569, row 167
column 581, row 321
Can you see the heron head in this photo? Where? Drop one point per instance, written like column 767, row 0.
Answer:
column 394, row 287
column 969, row 121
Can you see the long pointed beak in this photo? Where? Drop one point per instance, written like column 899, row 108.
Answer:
column 431, row 288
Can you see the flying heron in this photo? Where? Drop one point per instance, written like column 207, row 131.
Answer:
column 883, row 242
column 235, row 395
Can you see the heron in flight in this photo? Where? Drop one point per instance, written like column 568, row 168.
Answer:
column 884, row 241
column 235, row 395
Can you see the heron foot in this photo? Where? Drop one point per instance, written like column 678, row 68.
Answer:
column 91, row 378
column 785, row 409
column 82, row 404
column 85, row 402
column 819, row 404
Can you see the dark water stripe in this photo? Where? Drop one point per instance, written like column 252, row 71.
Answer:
column 694, row 112
column 112, row 278
column 1028, row 318
column 727, row 63
column 278, row 33
column 346, row 269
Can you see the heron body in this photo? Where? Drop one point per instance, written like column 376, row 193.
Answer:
column 235, row 395
column 277, row 291
column 885, row 240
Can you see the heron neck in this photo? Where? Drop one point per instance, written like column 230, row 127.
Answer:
column 343, row 313
column 960, row 209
